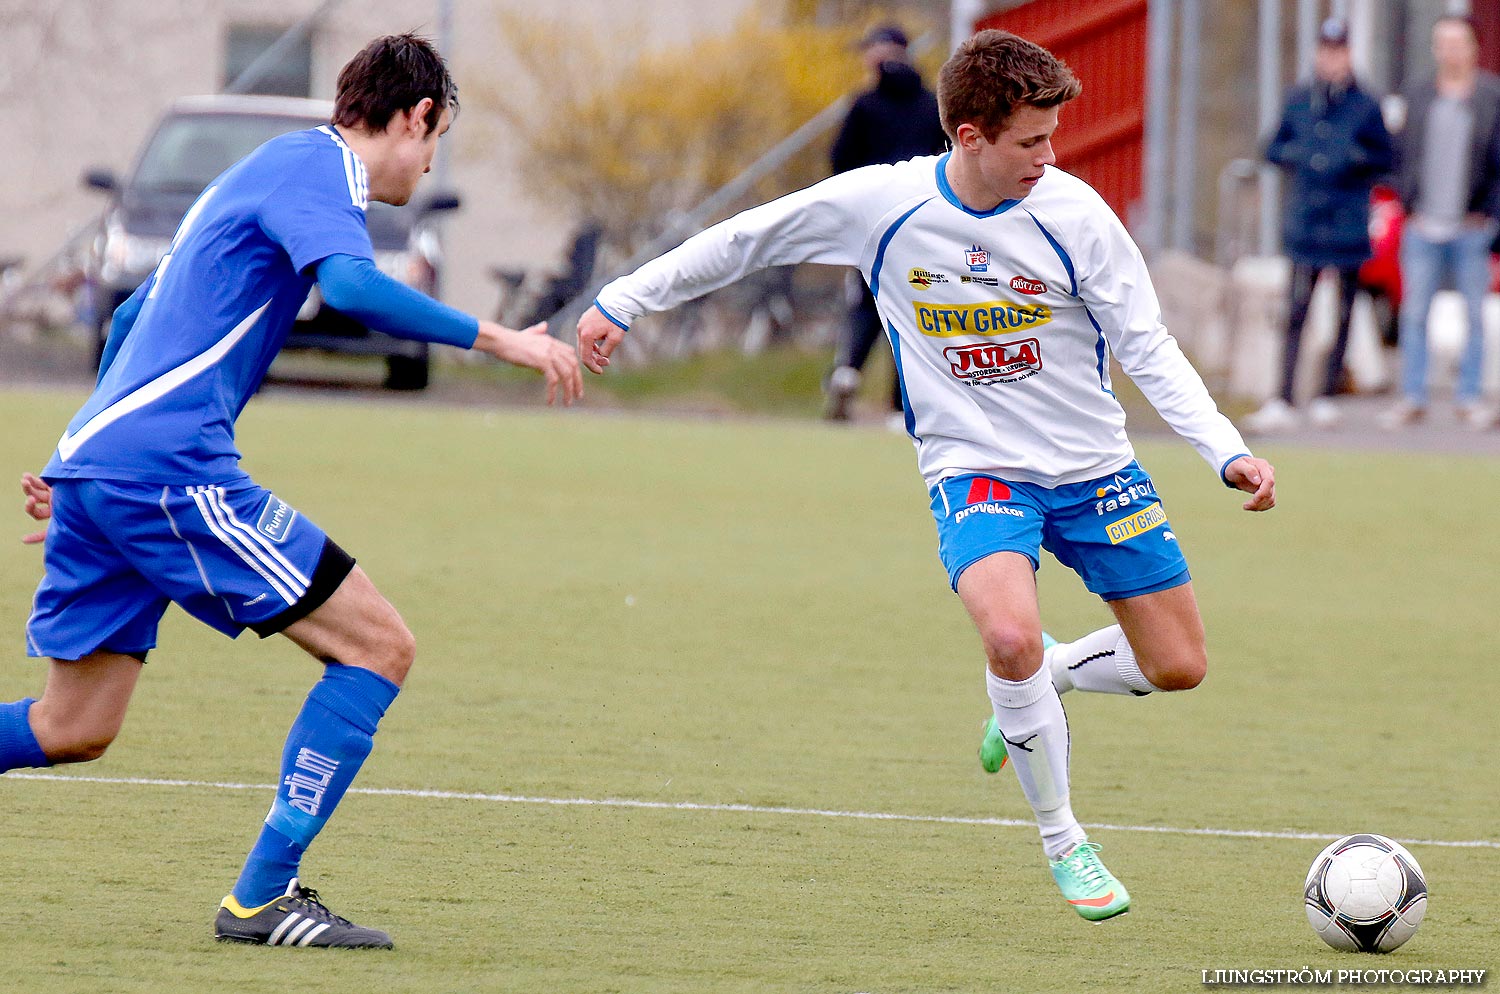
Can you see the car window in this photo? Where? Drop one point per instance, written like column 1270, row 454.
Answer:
column 187, row 152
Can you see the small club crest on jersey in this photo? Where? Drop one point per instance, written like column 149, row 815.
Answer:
column 977, row 259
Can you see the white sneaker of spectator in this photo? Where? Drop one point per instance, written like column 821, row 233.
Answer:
column 1403, row 414
column 1479, row 417
column 1275, row 415
column 1323, row 412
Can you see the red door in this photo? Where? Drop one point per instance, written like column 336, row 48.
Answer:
column 1104, row 42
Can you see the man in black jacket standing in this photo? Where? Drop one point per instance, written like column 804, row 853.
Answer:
column 893, row 121
column 1334, row 146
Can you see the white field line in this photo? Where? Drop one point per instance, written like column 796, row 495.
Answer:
column 621, row 802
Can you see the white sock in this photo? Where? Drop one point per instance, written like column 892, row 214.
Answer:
column 1030, row 715
column 1101, row 662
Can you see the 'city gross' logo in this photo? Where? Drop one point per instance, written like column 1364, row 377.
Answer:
column 994, row 317
column 995, row 362
column 1149, row 517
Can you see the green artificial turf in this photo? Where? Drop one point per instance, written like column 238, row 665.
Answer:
column 724, row 641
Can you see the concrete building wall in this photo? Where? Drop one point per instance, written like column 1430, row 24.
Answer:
column 81, row 82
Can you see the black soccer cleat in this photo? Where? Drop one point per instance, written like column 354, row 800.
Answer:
column 297, row 918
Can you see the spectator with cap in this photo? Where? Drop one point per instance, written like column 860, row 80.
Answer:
column 1333, row 144
column 1449, row 182
column 895, row 120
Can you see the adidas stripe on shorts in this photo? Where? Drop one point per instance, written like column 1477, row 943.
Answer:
column 233, row 556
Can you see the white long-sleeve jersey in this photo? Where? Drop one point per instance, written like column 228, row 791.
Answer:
column 1001, row 322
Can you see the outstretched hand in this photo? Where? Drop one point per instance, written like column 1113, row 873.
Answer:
column 535, row 349
column 38, row 505
column 1255, row 477
column 598, row 336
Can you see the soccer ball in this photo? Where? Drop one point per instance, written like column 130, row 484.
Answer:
column 1365, row 894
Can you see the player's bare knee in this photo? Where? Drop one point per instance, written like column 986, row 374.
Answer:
column 84, row 750
column 1182, row 679
column 394, row 652
column 1014, row 652
column 404, row 652
column 1183, row 671
column 71, row 741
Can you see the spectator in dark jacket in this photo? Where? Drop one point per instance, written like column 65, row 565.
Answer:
column 1333, row 144
column 1449, row 182
column 895, row 120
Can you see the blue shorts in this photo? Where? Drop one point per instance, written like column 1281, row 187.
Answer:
column 117, row 554
column 1111, row 531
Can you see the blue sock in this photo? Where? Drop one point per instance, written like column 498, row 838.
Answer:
column 324, row 750
column 18, row 745
column 273, row 858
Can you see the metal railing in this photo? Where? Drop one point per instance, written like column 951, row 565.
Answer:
column 708, row 210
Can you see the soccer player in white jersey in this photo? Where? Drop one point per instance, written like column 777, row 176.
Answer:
column 1005, row 284
column 147, row 504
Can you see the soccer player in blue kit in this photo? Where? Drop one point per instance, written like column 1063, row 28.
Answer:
column 148, row 503
column 1004, row 284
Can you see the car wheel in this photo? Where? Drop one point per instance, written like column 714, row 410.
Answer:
column 406, row 373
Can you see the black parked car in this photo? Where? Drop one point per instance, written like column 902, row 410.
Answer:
column 195, row 140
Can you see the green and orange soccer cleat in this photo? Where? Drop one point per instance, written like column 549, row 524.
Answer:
column 1090, row 888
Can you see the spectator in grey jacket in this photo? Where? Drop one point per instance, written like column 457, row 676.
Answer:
column 1449, row 182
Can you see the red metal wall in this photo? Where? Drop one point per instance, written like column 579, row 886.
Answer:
column 1486, row 17
column 1104, row 42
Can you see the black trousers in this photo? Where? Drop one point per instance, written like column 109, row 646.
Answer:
column 1304, row 278
column 863, row 331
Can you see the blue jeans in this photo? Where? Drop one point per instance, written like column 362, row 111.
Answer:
column 1423, row 265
